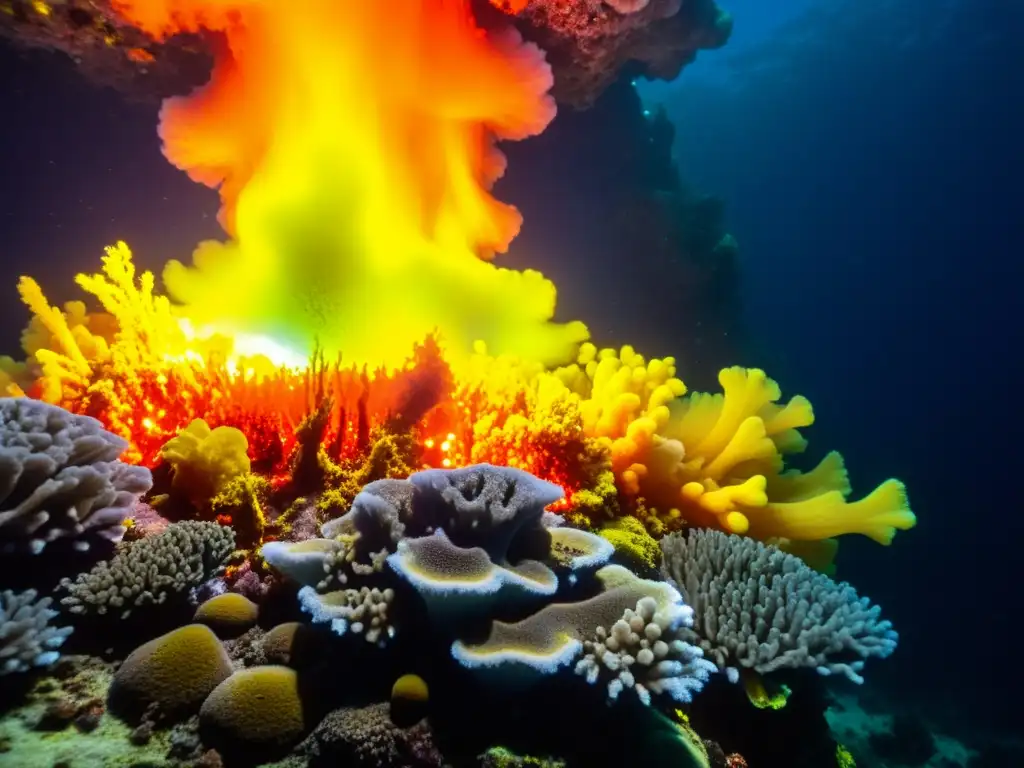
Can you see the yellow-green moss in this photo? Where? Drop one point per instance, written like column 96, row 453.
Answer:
column 390, row 456
column 176, row 672
column 229, row 615
column 843, row 758
column 256, row 708
column 242, row 502
column 632, row 542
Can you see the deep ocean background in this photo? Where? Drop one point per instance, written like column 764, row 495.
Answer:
column 869, row 153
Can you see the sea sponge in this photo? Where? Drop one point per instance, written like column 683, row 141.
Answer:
column 203, row 461
column 760, row 609
column 228, row 615
column 632, row 542
column 409, row 698
column 367, row 737
column 175, row 672
column 561, row 633
column 60, row 478
column 255, row 709
column 284, row 643
column 26, row 638
column 151, row 571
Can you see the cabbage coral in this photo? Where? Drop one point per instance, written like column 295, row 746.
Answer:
column 204, row 461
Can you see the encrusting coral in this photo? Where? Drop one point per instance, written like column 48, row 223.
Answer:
column 60, row 478
column 758, row 608
column 151, row 571
column 27, row 640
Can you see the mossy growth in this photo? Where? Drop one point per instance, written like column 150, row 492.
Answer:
column 242, row 504
column 633, row 543
column 500, row 757
column 764, row 694
column 390, row 455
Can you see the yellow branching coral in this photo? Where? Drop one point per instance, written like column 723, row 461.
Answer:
column 204, row 461
column 713, row 460
column 137, row 327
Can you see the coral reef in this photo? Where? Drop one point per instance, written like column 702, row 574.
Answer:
column 60, row 478
column 151, row 571
column 472, row 464
column 758, row 608
column 27, row 640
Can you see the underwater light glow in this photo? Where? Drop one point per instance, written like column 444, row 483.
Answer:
column 353, row 149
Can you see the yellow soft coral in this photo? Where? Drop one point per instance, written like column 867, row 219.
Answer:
column 204, row 461
column 720, row 457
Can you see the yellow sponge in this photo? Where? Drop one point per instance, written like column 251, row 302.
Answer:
column 255, row 709
column 229, row 615
column 175, row 672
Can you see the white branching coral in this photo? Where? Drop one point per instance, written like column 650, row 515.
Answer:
column 26, row 638
column 758, row 608
column 152, row 570
column 361, row 611
column 643, row 652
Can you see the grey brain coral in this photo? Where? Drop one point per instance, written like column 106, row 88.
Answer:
column 60, row 478
column 26, row 638
column 152, row 570
column 759, row 608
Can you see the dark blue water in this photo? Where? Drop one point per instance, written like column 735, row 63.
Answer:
column 871, row 156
